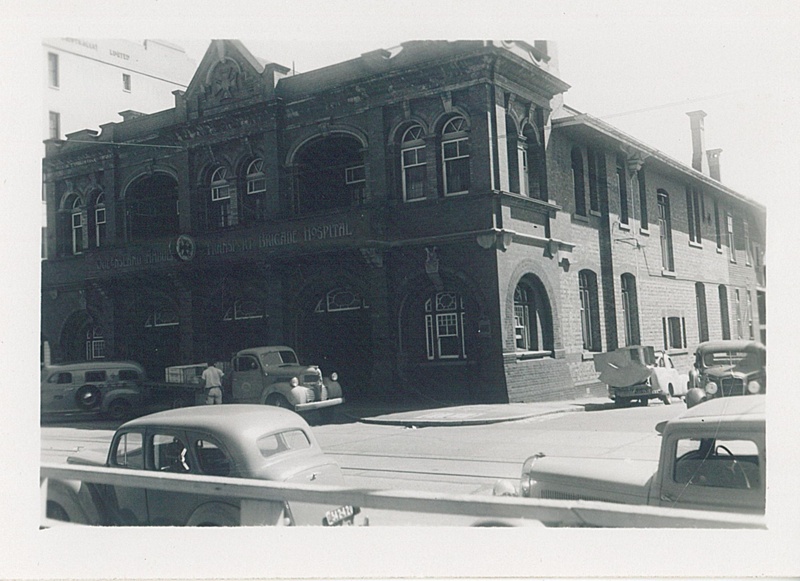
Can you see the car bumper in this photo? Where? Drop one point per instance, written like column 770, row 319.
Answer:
column 635, row 391
column 315, row 405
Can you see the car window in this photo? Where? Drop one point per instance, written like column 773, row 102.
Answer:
column 717, row 463
column 62, row 377
column 128, row 375
column 272, row 444
column 271, row 358
column 95, row 376
column 723, row 358
column 211, row 458
column 169, row 454
column 246, row 363
column 128, row 451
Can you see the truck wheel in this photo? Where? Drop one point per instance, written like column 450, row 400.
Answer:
column 667, row 397
column 277, row 400
column 87, row 397
column 119, row 409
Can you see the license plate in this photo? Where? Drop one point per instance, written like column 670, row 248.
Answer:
column 340, row 516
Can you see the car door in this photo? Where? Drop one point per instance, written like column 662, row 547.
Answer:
column 126, row 505
column 247, row 379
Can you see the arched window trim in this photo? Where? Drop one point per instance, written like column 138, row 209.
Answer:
column 256, row 180
column 244, row 309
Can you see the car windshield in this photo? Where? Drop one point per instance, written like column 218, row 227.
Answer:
column 272, row 444
column 724, row 358
column 278, row 357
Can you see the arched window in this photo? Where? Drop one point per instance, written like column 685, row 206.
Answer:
column 100, row 220
column 455, row 156
column 219, row 207
column 244, row 309
column 76, row 221
column 590, row 310
column 412, row 153
column 630, row 309
column 253, row 204
column 329, row 173
column 444, row 326
column 151, row 207
column 533, row 325
column 578, row 184
column 340, row 300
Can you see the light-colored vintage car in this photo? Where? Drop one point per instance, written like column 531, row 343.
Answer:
column 726, row 368
column 639, row 373
column 235, row 440
column 109, row 388
column 713, row 457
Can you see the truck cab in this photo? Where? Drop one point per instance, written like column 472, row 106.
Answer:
column 273, row 375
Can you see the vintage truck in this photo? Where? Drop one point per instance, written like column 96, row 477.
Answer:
column 269, row 375
column 713, row 457
column 636, row 373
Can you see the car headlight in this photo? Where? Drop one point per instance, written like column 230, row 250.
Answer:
column 294, row 382
column 754, row 387
column 334, row 376
column 711, row 387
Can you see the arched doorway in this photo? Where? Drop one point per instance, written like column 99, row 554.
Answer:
column 151, row 207
column 335, row 333
column 73, row 337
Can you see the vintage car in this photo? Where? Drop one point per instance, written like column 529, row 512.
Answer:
column 236, row 440
column 638, row 373
column 273, row 375
column 727, row 367
column 109, row 388
column 713, row 457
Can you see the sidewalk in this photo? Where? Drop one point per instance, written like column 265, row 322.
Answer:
column 467, row 415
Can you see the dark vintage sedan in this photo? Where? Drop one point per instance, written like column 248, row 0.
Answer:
column 237, row 440
column 727, row 367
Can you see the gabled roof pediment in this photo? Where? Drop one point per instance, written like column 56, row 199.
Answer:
column 228, row 73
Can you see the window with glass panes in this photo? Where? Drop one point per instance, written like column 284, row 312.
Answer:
column 412, row 152
column 220, row 206
column 77, row 226
column 665, row 232
column 455, row 156
column 444, row 326
column 100, row 220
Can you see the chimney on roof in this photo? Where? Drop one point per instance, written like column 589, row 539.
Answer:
column 698, row 141
column 713, row 163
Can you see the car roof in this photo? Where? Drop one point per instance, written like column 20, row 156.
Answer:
column 92, row 365
column 271, row 348
column 729, row 345
column 734, row 408
column 231, row 420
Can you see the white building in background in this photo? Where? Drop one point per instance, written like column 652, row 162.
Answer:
column 89, row 82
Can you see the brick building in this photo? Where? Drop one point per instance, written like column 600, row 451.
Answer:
column 431, row 220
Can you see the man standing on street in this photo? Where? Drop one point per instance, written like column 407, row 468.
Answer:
column 212, row 379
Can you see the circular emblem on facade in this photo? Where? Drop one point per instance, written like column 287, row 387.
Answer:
column 185, row 247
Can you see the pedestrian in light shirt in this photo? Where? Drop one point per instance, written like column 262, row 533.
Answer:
column 212, row 380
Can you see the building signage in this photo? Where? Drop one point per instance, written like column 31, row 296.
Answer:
column 185, row 248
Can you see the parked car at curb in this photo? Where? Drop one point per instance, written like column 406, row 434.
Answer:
column 236, row 440
column 728, row 367
column 109, row 388
column 713, row 457
column 638, row 373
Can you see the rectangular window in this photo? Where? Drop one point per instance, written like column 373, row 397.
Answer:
column 55, row 125
column 98, row 349
column 717, row 463
column 643, row 219
column 716, row 225
column 53, row 76
column 355, row 175
column 594, row 183
column 414, row 173
column 77, row 233
column 665, row 233
column 126, row 82
column 524, row 184
column 731, row 239
column 521, row 331
column 100, row 226
column 746, row 228
column 622, row 183
column 222, row 192
column 128, row 452
column 674, row 332
column 693, row 211
column 256, row 186
column 738, row 312
column 456, row 166
column 448, row 336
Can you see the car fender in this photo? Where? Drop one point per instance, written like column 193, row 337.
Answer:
column 76, row 500
column 333, row 387
column 132, row 395
column 662, row 378
column 217, row 514
column 294, row 395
